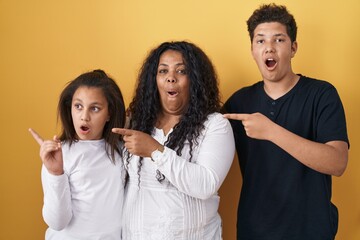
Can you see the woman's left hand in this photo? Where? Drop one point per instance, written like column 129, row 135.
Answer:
column 137, row 142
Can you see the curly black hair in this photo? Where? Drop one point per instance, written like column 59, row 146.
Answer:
column 116, row 108
column 204, row 96
column 272, row 13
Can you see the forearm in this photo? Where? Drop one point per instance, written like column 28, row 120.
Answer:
column 57, row 211
column 203, row 176
column 190, row 178
column 329, row 158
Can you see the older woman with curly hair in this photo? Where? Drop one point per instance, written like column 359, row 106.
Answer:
column 179, row 148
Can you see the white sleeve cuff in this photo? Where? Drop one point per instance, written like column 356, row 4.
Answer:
column 162, row 157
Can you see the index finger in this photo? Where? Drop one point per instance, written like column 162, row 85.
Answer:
column 122, row 131
column 236, row 116
column 36, row 136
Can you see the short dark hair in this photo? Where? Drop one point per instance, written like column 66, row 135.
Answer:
column 116, row 108
column 272, row 13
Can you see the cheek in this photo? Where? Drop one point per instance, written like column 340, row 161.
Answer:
column 255, row 54
column 184, row 86
column 159, row 83
column 186, row 90
column 258, row 59
column 73, row 115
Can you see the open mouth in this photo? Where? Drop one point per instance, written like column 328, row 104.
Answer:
column 84, row 128
column 270, row 62
column 172, row 93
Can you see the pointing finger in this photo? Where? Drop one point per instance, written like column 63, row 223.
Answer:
column 236, row 116
column 122, row 131
column 36, row 136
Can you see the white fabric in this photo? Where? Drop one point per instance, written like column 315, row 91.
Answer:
column 86, row 201
column 185, row 205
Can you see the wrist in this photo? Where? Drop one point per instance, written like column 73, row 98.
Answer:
column 157, row 153
column 56, row 173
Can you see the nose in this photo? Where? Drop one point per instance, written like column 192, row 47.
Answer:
column 171, row 77
column 85, row 116
column 269, row 48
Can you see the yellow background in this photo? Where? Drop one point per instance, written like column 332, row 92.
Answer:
column 44, row 44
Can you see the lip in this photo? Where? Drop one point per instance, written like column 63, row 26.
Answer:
column 83, row 129
column 270, row 63
column 172, row 92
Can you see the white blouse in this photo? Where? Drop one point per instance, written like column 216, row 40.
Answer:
column 185, row 205
column 86, row 201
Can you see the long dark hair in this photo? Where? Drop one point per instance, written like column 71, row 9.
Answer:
column 204, row 96
column 116, row 108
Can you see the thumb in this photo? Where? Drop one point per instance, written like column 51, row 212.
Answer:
column 56, row 139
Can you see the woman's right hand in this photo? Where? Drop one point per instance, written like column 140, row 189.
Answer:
column 50, row 153
column 138, row 143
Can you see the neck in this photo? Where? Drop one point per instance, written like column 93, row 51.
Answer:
column 167, row 121
column 278, row 89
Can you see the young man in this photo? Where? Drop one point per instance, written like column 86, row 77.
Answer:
column 291, row 137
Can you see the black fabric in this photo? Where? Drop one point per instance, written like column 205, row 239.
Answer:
column 280, row 197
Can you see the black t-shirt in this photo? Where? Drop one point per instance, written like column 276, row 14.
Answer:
column 281, row 198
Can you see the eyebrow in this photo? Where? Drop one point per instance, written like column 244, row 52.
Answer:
column 177, row 64
column 275, row 35
column 93, row 103
column 77, row 99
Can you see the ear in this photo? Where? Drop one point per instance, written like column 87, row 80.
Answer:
column 294, row 47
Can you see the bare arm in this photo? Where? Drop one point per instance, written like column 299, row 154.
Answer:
column 329, row 158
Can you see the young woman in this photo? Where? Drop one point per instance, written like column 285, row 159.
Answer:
column 82, row 174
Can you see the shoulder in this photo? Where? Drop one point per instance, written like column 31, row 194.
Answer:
column 316, row 84
column 322, row 93
column 244, row 97
column 217, row 121
column 245, row 91
column 313, row 89
column 213, row 117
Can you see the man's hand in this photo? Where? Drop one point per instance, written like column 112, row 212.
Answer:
column 256, row 125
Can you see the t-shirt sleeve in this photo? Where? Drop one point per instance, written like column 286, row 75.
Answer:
column 331, row 124
column 228, row 106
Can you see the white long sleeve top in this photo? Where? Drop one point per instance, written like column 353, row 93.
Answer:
column 185, row 205
column 86, row 201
